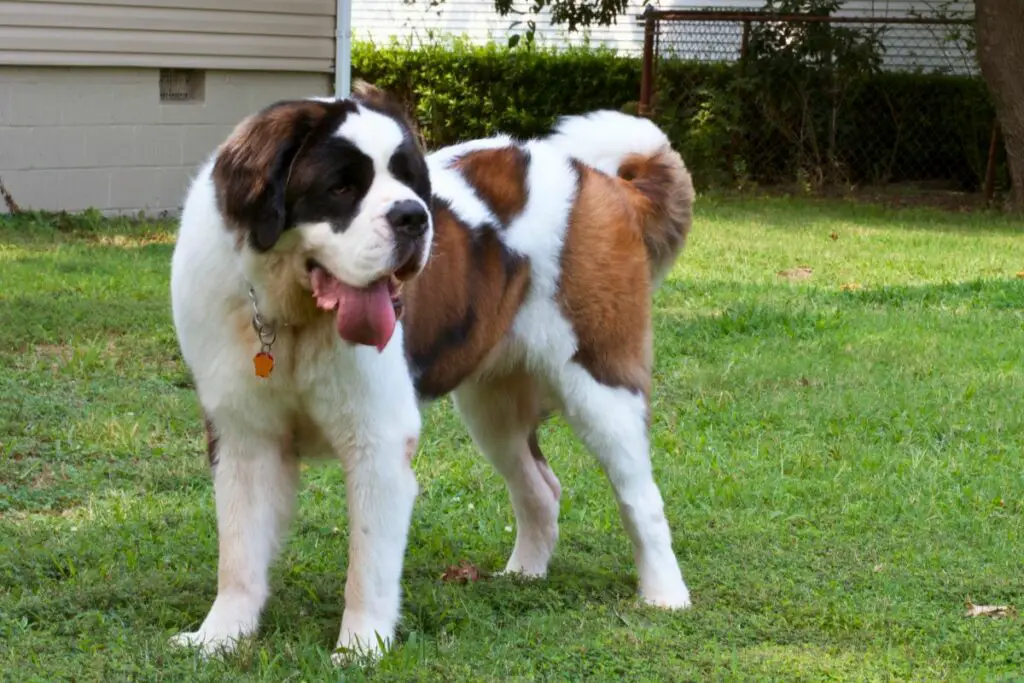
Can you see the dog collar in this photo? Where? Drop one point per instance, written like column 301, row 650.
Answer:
column 263, row 362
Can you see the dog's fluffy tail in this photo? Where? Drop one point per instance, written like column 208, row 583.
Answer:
column 637, row 151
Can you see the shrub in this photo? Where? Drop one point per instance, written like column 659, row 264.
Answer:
column 732, row 122
column 457, row 90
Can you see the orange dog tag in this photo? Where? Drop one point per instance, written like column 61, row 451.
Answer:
column 263, row 362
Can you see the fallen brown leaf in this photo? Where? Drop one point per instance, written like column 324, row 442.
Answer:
column 1021, row 275
column 834, row 236
column 851, row 286
column 463, row 572
column 798, row 273
column 989, row 610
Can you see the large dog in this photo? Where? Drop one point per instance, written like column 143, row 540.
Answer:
column 327, row 277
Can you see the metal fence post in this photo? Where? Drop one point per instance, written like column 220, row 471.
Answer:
column 989, row 187
column 647, row 72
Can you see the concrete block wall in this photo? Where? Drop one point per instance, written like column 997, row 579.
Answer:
column 85, row 137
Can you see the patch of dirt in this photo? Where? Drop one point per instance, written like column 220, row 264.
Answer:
column 61, row 351
column 43, row 479
column 798, row 273
column 989, row 610
column 132, row 241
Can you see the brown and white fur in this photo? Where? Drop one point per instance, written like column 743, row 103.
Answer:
column 536, row 296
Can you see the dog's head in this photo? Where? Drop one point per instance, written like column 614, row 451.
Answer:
column 338, row 191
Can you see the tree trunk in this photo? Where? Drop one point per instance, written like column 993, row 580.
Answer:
column 999, row 26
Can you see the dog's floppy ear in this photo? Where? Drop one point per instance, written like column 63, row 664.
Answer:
column 253, row 166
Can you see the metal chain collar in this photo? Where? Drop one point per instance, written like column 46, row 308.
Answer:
column 266, row 332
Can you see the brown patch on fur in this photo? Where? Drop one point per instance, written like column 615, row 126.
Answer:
column 664, row 200
column 252, row 146
column 254, row 164
column 499, row 178
column 212, row 441
column 605, row 284
column 462, row 304
column 410, row 449
column 534, row 445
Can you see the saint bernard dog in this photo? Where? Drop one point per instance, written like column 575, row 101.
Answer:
column 329, row 280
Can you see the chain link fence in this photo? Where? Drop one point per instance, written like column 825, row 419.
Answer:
column 819, row 100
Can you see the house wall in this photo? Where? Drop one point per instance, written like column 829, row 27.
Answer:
column 73, row 138
column 84, row 120
column 281, row 35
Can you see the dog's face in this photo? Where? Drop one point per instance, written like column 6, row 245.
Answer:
column 338, row 186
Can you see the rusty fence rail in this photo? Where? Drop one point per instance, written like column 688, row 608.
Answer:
column 765, row 97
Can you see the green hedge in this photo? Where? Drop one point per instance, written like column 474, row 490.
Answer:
column 729, row 126
column 461, row 91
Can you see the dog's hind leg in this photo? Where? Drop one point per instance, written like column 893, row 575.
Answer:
column 501, row 416
column 612, row 422
column 254, row 486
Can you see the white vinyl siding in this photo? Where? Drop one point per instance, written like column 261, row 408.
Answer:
column 278, row 35
column 417, row 22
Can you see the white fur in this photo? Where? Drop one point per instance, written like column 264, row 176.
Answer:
column 443, row 157
column 610, row 421
column 539, row 232
column 604, row 138
column 324, row 398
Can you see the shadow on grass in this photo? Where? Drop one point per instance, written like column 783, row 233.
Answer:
column 117, row 563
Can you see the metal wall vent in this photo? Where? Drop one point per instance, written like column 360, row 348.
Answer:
column 182, row 85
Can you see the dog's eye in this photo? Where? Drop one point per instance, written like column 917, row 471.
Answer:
column 341, row 190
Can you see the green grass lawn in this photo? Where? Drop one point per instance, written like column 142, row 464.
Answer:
column 840, row 454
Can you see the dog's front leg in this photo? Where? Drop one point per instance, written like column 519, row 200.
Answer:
column 254, row 487
column 381, row 491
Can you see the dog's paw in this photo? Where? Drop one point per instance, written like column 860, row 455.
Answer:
column 362, row 640
column 676, row 598
column 359, row 651
column 356, row 656
column 524, row 572
column 205, row 643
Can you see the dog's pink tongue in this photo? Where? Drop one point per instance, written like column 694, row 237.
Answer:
column 365, row 315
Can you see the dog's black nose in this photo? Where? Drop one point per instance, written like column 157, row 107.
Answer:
column 408, row 219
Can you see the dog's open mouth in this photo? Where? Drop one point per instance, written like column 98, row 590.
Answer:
column 364, row 315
